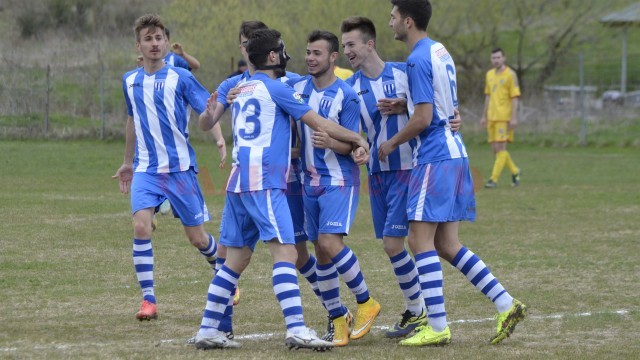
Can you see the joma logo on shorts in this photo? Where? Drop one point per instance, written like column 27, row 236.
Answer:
column 199, row 215
column 399, row 227
column 334, row 223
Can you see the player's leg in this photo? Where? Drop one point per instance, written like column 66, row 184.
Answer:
column 337, row 210
column 510, row 310
column 429, row 203
column 515, row 170
column 239, row 234
column 143, row 262
column 499, row 146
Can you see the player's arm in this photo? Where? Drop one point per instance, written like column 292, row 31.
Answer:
column 194, row 64
column 318, row 123
column 125, row 173
column 322, row 140
column 210, row 117
column 513, row 122
column 422, row 116
column 392, row 106
column 483, row 120
column 221, row 144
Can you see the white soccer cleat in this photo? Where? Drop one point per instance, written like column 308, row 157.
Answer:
column 306, row 339
column 219, row 340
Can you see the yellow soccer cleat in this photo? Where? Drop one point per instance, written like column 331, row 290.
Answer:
column 236, row 297
column 508, row 320
column 339, row 329
column 366, row 315
column 426, row 336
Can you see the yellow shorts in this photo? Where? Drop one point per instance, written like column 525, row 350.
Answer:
column 499, row 131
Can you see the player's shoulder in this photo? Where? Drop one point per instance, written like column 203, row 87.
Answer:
column 398, row 65
column 511, row 72
column 131, row 72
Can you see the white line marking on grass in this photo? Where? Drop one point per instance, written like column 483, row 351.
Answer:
column 265, row 336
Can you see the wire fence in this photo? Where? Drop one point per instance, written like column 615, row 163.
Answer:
column 69, row 101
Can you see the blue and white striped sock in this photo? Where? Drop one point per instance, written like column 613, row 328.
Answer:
column 407, row 276
column 287, row 290
column 143, row 263
column 210, row 252
column 217, row 300
column 430, row 275
column 226, row 324
column 480, row 276
column 309, row 272
column 219, row 263
column 329, row 286
column 349, row 268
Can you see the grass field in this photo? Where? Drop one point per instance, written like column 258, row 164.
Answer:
column 566, row 243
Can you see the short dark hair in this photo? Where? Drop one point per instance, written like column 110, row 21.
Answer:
column 418, row 10
column 331, row 38
column 167, row 32
column 151, row 21
column 498, row 49
column 361, row 23
column 249, row 26
column 261, row 43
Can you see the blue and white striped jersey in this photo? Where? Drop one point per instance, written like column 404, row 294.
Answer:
column 262, row 134
column 432, row 79
column 158, row 104
column 392, row 83
column 340, row 104
column 230, row 83
column 176, row 60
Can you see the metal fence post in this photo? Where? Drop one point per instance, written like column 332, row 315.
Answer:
column 46, row 102
column 101, row 100
column 583, row 131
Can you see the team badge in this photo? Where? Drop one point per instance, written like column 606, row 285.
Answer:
column 159, row 85
column 325, row 102
column 389, row 88
column 298, row 98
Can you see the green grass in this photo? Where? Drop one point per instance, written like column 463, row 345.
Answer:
column 565, row 243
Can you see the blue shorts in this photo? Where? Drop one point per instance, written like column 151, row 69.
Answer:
column 182, row 190
column 441, row 192
column 296, row 206
column 256, row 215
column 329, row 209
column 388, row 198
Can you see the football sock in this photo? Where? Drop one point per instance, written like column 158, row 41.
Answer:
column 287, row 290
column 430, row 275
column 498, row 165
column 309, row 272
column 210, row 252
column 329, row 286
column 510, row 164
column 218, row 296
column 143, row 263
column 407, row 276
column 479, row 275
column 349, row 268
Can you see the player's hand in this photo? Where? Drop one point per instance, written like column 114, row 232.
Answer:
column 456, row 122
column 212, row 103
column 233, row 94
column 222, row 150
column 177, row 48
column 392, row 106
column 384, row 150
column 125, row 175
column 512, row 123
column 321, row 140
column 483, row 121
column 360, row 156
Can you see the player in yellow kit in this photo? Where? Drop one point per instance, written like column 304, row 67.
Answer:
column 500, row 109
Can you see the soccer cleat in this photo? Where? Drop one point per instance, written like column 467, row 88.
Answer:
column 218, row 341
column 338, row 329
column 192, row 340
column 306, row 339
column 425, row 336
column 407, row 324
column 515, row 179
column 148, row 311
column 365, row 317
column 508, row 320
column 490, row 184
column 236, row 297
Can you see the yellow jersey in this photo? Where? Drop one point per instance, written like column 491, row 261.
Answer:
column 501, row 88
column 342, row 73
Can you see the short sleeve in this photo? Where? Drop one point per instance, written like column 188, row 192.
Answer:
column 350, row 114
column 420, row 78
column 195, row 94
column 287, row 99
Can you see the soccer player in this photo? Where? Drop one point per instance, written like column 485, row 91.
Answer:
column 382, row 85
column 178, row 57
column 501, row 108
column 256, row 207
column 342, row 73
column 159, row 163
column 440, row 186
column 331, row 189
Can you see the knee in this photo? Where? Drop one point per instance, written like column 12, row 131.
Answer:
column 141, row 230
column 393, row 248
column 200, row 241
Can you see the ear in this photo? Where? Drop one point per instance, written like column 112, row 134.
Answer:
column 334, row 56
column 138, row 45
